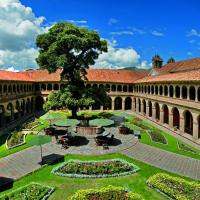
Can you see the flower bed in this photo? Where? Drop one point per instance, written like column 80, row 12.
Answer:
column 175, row 188
column 185, row 147
column 106, row 193
column 156, row 136
column 95, row 169
column 31, row 125
column 15, row 139
column 33, row 191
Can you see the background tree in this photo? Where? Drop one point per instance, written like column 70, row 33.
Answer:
column 72, row 49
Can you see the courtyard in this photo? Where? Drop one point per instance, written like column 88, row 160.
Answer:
column 153, row 154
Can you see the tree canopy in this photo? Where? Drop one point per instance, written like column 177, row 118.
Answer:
column 71, row 49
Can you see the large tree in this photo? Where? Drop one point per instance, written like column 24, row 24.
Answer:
column 72, row 49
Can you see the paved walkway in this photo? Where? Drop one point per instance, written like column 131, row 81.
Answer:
column 22, row 163
column 168, row 161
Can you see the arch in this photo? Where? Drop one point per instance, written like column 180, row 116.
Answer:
column 107, row 87
column 152, row 89
column 176, row 118
column 118, row 103
column 96, row 106
column 43, row 87
column 157, row 107
column 1, row 91
column 184, row 92
column 128, row 103
column 49, row 87
column 39, row 102
column 119, row 88
column 192, row 93
column 135, row 104
column 165, row 90
column 149, row 90
column 161, row 90
column 145, row 89
column 125, row 89
column 28, row 106
column 130, row 88
column 198, row 121
column 2, row 117
column 101, row 86
column 165, row 114
column 108, row 105
column 9, row 113
column 177, row 91
column 9, row 89
column 150, row 108
column 5, row 89
column 17, row 110
column 199, row 94
column 113, row 88
column 171, row 91
column 139, row 105
column 56, row 87
column 188, row 122
column 156, row 90
column 144, row 106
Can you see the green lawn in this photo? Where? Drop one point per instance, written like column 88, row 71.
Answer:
column 66, row 187
column 172, row 141
column 30, row 141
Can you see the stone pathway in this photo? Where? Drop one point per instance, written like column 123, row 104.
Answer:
column 165, row 160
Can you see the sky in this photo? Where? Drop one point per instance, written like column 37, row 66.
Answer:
column 135, row 29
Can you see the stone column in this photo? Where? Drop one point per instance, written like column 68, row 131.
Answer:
column 101, row 108
column 196, row 94
column 147, row 109
column 153, row 111
column 170, row 120
column 142, row 106
column 182, row 124
column 181, row 93
column 133, row 104
column 188, row 93
column 195, row 126
column 113, row 103
column 137, row 106
column 161, row 115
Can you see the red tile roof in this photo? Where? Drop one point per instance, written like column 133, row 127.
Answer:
column 193, row 75
column 95, row 75
column 185, row 65
column 14, row 76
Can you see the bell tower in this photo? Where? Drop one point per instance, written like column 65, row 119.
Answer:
column 157, row 61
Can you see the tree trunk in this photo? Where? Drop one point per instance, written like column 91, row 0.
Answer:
column 74, row 113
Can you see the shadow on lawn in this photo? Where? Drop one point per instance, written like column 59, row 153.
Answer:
column 52, row 159
column 5, row 183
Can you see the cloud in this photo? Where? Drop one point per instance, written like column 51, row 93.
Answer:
column 137, row 30
column 192, row 41
column 193, row 32
column 118, row 58
column 18, row 31
column 157, row 33
column 77, row 21
column 11, row 69
column 189, row 53
column 112, row 21
column 122, row 33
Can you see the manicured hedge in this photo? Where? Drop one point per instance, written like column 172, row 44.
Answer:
column 106, row 193
column 184, row 147
column 33, row 191
column 95, row 169
column 15, row 139
column 156, row 136
column 175, row 188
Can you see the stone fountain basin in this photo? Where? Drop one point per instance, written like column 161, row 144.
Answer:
column 88, row 130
